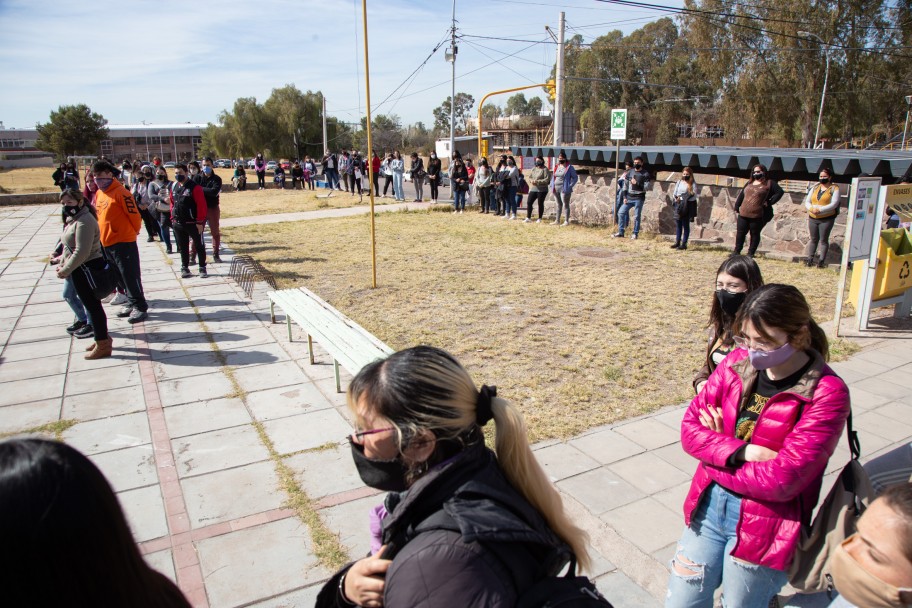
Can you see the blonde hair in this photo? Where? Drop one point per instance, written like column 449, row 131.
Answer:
column 425, row 388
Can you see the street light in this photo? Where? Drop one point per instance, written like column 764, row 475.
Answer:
column 826, row 77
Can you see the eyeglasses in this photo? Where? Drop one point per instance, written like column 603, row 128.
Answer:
column 358, row 436
column 745, row 342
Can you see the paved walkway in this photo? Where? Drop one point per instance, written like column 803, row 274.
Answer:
column 220, row 438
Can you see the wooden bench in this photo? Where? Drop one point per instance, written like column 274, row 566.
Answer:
column 349, row 344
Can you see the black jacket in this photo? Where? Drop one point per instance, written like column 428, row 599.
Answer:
column 462, row 536
column 212, row 187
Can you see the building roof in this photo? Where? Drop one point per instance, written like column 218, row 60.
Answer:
column 158, row 127
column 796, row 163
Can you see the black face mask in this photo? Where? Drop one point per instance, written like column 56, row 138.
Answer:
column 386, row 475
column 638, row 166
column 69, row 210
column 757, row 176
column 730, row 301
column 539, row 163
column 180, row 178
column 824, row 180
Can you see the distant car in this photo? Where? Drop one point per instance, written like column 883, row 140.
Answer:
column 285, row 164
column 271, row 165
column 170, row 164
column 251, row 164
column 223, row 163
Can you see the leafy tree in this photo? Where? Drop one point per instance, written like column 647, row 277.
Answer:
column 385, row 131
column 464, row 104
column 72, row 130
column 516, row 105
column 534, row 107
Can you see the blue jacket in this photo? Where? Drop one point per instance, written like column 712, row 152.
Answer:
column 570, row 180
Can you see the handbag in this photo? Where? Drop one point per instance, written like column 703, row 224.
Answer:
column 835, row 521
column 101, row 280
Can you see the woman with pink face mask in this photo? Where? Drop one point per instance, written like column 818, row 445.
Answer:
column 873, row 567
column 763, row 429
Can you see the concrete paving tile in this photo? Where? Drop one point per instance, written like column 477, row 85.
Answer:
column 7, row 324
column 672, row 418
column 257, row 355
column 648, row 473
column 675, row 455
column 295, row 599
column 673, row 498
column 106, row 434
column 865, row 400
column 145, row 512
column 600, row 490
column 160, row 350
column 124, row 354
column 24, row 416
column 328, row 388
column 242, row 338
column 600, row 565
column 285, row 373
column 621, row 591
column 877, row 357
column 36, row 334
column 205, row 416
column 351, row 522
column 59, row 320
column 4, row 338
column 195, row 388
column 11, row 312
column 896, row 410
column 216, row 450
column 36, row 350
column 114, row 402
column 58, row 309
column 664, row 555
column 162, row 561
column 286, row 401
column 104, row 379
column 649, row 433
column 128, row 468
column 187, row 365
column 902, row 376
column 13, row 299
column 878, row 386
column 646, row 523
column 32, row 389
column 562, row 460
column 325, row 472
column 884, row 426
column 247, row 565
column 23, row 370
column 606, row 446
column 306, row 431
column 232, row 493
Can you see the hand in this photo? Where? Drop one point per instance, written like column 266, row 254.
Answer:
column 758, row 453
column 60, row 274
column 711, row 418
column 815, row 209
column 364, row 582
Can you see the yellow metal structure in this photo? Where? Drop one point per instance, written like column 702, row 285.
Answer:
column 894, row 267
column 482, row 150
column 369, row 153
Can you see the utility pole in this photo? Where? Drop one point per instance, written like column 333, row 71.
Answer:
column 906, row 128
column 453, row 51
column 559, row 88
column 325, row 138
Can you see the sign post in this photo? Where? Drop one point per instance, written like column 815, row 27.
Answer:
column 618, row 132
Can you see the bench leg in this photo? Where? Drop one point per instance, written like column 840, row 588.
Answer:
column 338, row 382
column 310, row 348
column 288, row 323
column 272, row 311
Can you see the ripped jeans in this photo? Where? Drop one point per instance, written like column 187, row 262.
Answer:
column 703, row 551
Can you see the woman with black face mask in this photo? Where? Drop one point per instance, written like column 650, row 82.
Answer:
column 822, row 204
column 755, row 208
column 737, row 276
column 454, row 506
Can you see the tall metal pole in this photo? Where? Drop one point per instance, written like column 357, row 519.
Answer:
column 826, row 77
column 325, row 136
column 453, row 85
column 370, row 147
column 559, row 85
column 906, row 128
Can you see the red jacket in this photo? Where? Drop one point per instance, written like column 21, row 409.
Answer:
column 803, row 424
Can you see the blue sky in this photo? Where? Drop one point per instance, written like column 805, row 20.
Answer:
column 166, row 61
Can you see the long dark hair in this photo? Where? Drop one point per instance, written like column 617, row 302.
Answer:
column 741, row 267
column 783, row 307
column 64, row 536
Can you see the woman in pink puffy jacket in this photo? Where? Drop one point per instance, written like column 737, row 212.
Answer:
column 763, row 429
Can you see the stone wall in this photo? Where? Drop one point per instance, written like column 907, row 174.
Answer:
column 785, row 236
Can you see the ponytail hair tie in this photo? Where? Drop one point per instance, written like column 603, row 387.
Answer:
column 483, row 411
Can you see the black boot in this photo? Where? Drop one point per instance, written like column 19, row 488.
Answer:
column 676, row 245
column 809, row 262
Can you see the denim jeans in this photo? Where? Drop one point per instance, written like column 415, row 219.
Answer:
column 459, row 199
column 624, row 215
column 125, row 258
column 398, row 193
column 510, row 200
column 704, row 550
column 72, row 298
column 682, row 231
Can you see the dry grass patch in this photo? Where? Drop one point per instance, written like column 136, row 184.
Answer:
column 265, row 202
column 27, row 180
column 576, row 328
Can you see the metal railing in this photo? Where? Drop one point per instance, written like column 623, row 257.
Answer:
column 246, row 272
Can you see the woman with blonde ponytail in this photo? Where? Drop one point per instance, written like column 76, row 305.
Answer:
column 462, row 525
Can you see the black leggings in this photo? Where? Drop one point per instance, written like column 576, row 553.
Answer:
column 92, row 304
column 433, row 181
column 540, row 195
column 185, row 232
column 388, row 184
column 261, row 178
column 748, row 225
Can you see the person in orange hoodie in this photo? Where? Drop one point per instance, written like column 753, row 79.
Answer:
column 119, row 221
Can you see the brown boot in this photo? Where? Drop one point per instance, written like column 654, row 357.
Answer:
column 103, row 348
column 90, row 347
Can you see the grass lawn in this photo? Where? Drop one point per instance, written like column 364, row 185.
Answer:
column 27, row 180
column 263, row 202
column 576, row 328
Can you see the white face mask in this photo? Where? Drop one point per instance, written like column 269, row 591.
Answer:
column 861, row 587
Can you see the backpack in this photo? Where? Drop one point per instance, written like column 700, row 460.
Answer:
column 835, row 521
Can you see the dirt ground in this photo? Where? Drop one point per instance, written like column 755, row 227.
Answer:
column 576, row 328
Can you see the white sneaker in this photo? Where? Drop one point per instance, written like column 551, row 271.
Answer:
column 513, row 217
column 538, row 221
column 461, row 212
column 555, row 223
column 527, row 220
column 455, row 211
column 566, row 223
column 119, row 298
